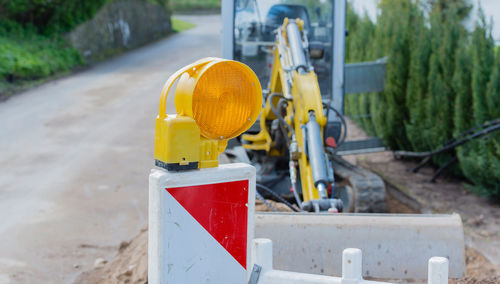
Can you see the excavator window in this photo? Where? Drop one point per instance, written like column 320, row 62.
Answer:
column 255, row 24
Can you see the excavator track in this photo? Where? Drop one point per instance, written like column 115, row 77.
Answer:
column 361, row 191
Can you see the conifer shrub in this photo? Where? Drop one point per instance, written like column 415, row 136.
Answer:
column 416, row 92
column 440, row 81
column 480, row 159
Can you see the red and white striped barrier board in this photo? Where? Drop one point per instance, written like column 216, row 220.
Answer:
column 201, row 224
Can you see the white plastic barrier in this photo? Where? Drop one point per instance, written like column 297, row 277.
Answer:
column 395, row 246
column 262, row 256
column 201, row 224
column 438, row 270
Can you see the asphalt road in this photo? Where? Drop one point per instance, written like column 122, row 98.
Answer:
column 75, row 156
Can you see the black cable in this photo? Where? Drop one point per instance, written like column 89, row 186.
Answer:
column 259, row 196
column 281, row 199
column 472, row 130
column 493, row 128
column 344, row 124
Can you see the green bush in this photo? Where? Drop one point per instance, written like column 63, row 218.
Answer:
column 483, row 56
column 442, row 98
column 31, row 43
column 463, row 113
column 395, row 25
column 480, row 159
column 49, row 16
column 363, row 30
column 352, row 20
column 440, row 81
column 26, row 55
column 57, row 16
column 416, row 93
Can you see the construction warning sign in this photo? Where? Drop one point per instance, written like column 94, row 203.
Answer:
column 220, row 208
column 202, row 231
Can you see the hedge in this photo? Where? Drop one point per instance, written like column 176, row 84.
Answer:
column 440, row 81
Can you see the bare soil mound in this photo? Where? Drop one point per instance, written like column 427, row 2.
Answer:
column 130, row 265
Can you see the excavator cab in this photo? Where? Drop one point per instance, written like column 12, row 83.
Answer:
column 255, row 26
column 277, row 14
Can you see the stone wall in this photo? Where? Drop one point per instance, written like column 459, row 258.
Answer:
column 118, row 26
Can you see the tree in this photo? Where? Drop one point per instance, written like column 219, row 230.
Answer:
column 394, row 27
column 358, row 47
column 416, row 94
column 463, row 115
column 479, row 159
column 440, row 81
column 463, row 7
column 483, row 56
column 362, row 42
column 446, row 32
column 352, row 20
column 491, row 181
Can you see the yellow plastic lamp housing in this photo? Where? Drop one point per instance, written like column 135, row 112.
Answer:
column 216, row 100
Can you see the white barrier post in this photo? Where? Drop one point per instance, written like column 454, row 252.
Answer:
column 201, row 223
column 352, row 266
column 352, row 269
column 438, row 270
column 262, row 254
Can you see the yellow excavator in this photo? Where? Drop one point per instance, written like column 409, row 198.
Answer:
column 295, row 100
column 301, row 133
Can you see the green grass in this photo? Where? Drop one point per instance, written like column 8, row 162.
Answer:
column 24, row 59
column 27, row 56
column 185, row 5
column 180, row 25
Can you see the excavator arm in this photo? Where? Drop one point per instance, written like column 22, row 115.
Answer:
column 294, row 83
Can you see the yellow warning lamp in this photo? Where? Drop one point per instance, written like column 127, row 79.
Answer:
column 216, row 100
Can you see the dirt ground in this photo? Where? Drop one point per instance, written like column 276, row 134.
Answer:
column 481, row 218
column 130, row 263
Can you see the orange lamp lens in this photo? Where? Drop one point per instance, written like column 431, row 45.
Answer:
column 226, row 100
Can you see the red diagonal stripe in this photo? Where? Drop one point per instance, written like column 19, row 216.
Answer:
column 221, row 209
